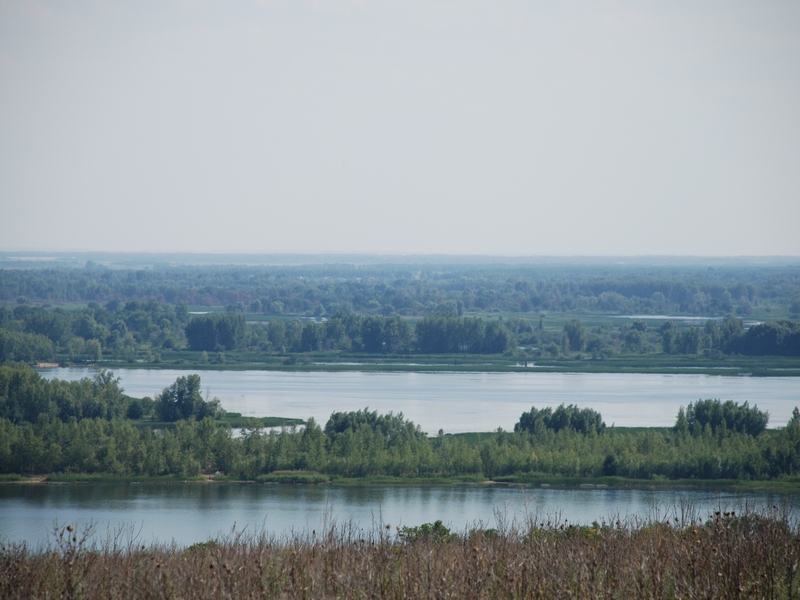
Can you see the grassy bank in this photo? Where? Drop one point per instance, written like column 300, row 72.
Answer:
column 110, row 478
column 789, row 485
column 683, row 555
column 773, row 366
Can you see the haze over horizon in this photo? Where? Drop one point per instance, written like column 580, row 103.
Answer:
column 517, row 129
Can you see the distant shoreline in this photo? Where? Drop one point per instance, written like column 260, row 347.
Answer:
column 746, row 367
column 588, row 483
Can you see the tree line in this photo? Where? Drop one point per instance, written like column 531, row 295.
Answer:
column 388, row 445
column 726, row 336
column 117, row 330
column 27, row 397
column 144, row 330
column 437, row 333
column 710, row 440
column 418, row 290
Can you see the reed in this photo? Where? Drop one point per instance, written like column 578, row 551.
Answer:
column 750, row 555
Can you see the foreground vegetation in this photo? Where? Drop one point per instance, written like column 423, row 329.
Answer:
column 749, row 555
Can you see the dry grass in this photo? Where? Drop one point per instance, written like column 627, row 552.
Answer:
column 754, row 555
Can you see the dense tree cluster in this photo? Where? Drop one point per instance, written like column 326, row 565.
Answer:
column 18, row 346
column 217, row 331
column 339, row 332
column 29, row 333
column 780, row 338
column 182, row 400
column 434, row 334
column 448, row 333
column 77, row 427
column 719, row 416
column 775, row 338
column 25, row 396
column 115, row 447
column 584, row 421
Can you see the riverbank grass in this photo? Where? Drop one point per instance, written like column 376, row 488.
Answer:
column 684, row 555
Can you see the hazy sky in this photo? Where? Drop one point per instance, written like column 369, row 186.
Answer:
column 513, row 128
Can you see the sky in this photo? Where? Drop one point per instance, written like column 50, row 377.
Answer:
column 502, row 128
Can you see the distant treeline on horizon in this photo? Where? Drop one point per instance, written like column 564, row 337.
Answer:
column 94, row 312
column 417, row 290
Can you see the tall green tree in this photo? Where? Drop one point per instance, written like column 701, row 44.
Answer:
column 182, row 400
column 220, row 331
column 575, row 331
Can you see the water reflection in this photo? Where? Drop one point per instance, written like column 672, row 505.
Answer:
column 188, row 513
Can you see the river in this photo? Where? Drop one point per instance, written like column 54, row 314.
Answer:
column 460, row 402
column 195, row 512
column 455, row 402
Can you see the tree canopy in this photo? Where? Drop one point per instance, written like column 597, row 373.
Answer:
column 182, row 400
column 584, row 421
column 728, row 415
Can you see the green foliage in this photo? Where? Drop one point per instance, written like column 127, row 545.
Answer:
column 293, row 477
column 135, row 409
column 731, row 333
column 182, row 400
column 583, row 421
column 217, row 331
column 364, row 443
column 688, row 341
column 17, row 346
column 77, row 428
column 97, row 446
column 419, row 287
column 25, row 395
column 777, row 338
column 91, row 333
column 391, row 427
column 447, row 332
column 575, row 331
column 720, row 416
column 363, row 449
column 434, row 532
column 668, row 331
column 373, row 316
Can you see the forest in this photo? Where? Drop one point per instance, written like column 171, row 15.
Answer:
column 86, row 428
column 153, row 331
column 214, row 314
column 418, row 289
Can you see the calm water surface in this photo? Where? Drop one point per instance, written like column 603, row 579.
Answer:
column 459, row 402
column 189, row 513
column 455, row 402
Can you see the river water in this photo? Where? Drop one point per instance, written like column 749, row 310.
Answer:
column 459, row 402
column 195, row 512
column 455, row 402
